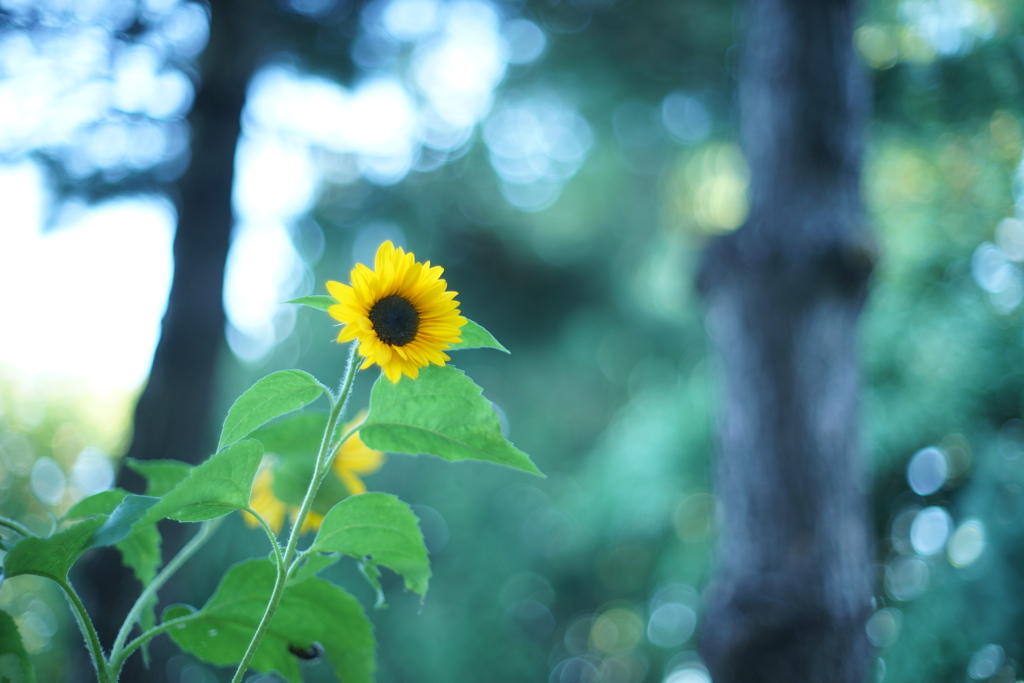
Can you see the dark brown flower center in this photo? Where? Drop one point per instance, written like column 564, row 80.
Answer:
column 395, row 320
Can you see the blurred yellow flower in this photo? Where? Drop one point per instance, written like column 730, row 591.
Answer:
column 354, row 457
column 401, row 312
column 270, row 508
column 264, row 501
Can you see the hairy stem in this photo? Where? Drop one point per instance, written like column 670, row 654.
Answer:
column 270, row 534
column 117, row 662
column 92, row 639
column 322, row 460
column 206, row 530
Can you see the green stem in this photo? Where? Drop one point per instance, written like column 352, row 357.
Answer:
column 206, row 530
column 295, row 563
column 322, row 460
column 16, row 526
column 270, row 534
column 131, row 647
column 92, row 639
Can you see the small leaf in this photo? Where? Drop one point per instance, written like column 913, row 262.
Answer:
column 140, row 551
column 17, row 666
column 380, row 527
column 213, row 489
column 52, row 557
column 310, row 611
column 313, row 565
column 320, row 301
column 102, row 503
column 371, row 573
column 476, row 337
column 178, row 611
column 274, row 395
column 120, row 523
column 161, row 475
column 442, row 413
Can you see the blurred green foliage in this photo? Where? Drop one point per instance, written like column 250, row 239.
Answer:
column 609, row 386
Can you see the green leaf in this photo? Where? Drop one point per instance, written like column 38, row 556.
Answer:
column 320, row 301
column 296, row 442
column 213, row 489
column 313, row 610
column 52, row 557
column 476, row 337
column 120, row 522
column 442, row 413
column 274, row 395
column 102, row 503
column 15, row 664
column 139, row 545
column 140, row 551
column 161, row 475
column 381, row 528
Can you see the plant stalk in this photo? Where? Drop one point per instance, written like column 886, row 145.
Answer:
column 16, row 526
column 322, row 460
column 92, row 639
column 206, row 530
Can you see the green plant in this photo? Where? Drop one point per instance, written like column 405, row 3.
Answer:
column 269, row 613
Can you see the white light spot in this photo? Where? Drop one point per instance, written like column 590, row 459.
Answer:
column 526, row 41
column 998, row 276
column 48, row 481
column 967, row 543
column 459, row 70
column 685, row 118
column 411, row 20
column 906, row 578
column 927, row 471
column 671, row 625
column 884, row 627
column 930, row 530
column 273, row 178
column 113, row 261
column 985, row 662
column 1010, row 238
column 262, row 271
column 689, row 674
column 92, row 472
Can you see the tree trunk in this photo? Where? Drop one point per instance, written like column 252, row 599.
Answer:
column 172, row 415
column 783, row 295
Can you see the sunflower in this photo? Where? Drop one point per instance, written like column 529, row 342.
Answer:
column 401, row 312
column 354, row 457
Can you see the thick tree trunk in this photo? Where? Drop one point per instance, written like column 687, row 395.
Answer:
column 783, row 296
column 173, row 413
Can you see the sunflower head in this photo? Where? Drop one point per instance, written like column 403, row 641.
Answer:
column 401, row 312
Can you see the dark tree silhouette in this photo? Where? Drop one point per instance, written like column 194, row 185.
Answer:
column 172, row 415
column 783, row 297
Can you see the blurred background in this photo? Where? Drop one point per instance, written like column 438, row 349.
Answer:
column 565, row 161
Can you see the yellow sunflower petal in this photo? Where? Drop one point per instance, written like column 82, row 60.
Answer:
column 353, row 483
column 311, row 523
column 264, row 502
